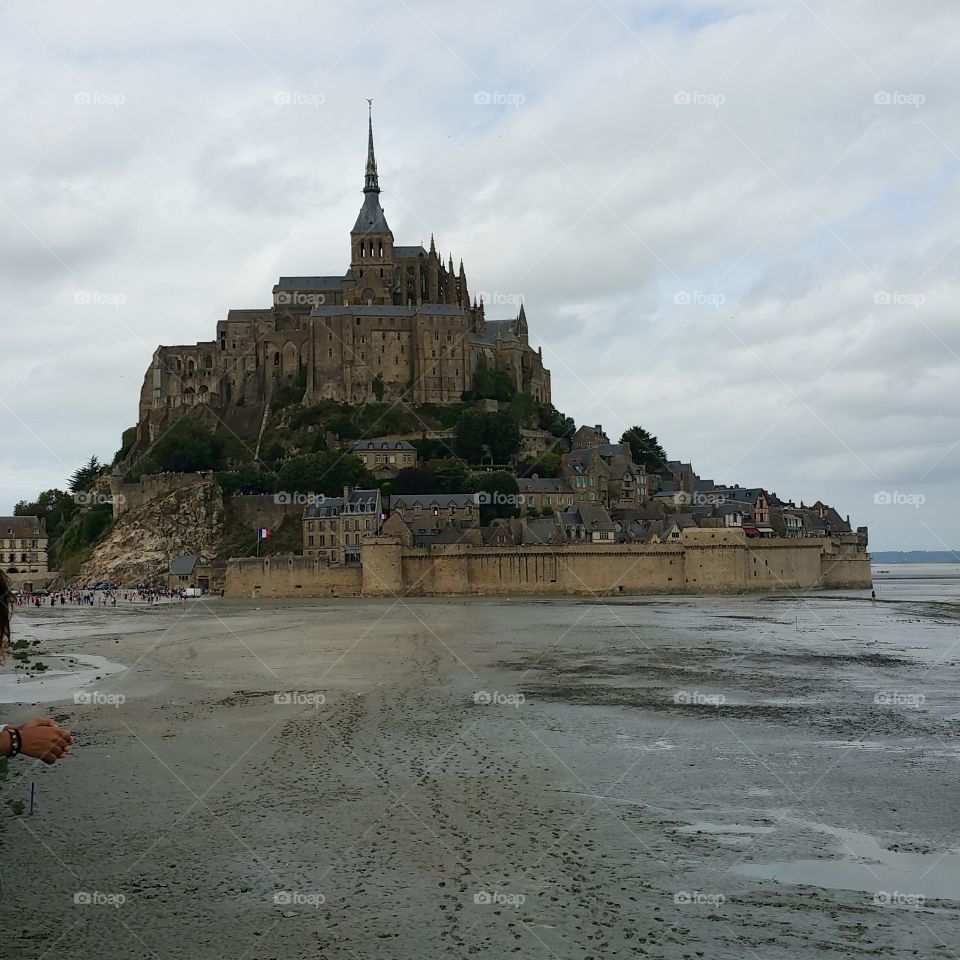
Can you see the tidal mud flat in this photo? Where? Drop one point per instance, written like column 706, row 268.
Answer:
column 673, row 777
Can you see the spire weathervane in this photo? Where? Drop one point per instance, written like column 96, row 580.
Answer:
column 371, row 184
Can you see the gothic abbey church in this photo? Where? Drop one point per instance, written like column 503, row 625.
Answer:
column 398, row 322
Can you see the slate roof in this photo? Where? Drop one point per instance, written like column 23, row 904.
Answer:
column 309, row 283
column 543, row 485
column 360, row 501
column 541, row 530
column 405, row 253
column 427, row 501
column 371, row 219
column 381, row 444
column 614, row 450
column 23, row 527
column 589, row 517
column 183, row 565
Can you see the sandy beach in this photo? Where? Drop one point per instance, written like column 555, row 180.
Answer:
column 674, row 777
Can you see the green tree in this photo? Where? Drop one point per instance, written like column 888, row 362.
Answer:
column 327, row 473
column 491, row 384
column 414, row 480
column 84, row 477
column 480, row 437
column 645, row 449
column 186, row 447
column 378, row 387
column 546, row 465
column 247, row 479
column 57, row 506
column 497, row 494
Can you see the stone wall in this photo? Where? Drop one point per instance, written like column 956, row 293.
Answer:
column 290, row 577
column 133, row 496
column 705, row 561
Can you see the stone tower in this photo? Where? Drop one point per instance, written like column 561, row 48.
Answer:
column 371, row 240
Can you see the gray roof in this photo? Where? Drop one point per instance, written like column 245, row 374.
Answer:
column 309, row 283
column 543, row 485
column 614, row 450
column 427, row 501
column 248, row 315
column 370, row 219
column 404, row 253
column 21, row 527
column 183, row 565
column 541, row 530
column 381, row 443
column 589, row 516
column 360, row 501
column 387, row 310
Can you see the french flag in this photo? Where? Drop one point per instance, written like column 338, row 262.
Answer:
column 263, row 534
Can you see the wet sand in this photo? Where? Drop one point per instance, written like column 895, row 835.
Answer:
column 770, row 777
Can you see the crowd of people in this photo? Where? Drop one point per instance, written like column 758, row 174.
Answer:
column 97, row 598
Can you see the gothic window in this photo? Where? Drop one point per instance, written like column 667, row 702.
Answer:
column 276, row 359
column 361, row 248
column 381, row 249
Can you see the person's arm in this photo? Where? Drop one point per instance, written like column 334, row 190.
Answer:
column 43, row 739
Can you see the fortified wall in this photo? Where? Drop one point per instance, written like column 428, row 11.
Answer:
column 704, row 561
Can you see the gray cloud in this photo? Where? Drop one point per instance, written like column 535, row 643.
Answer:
column 732, row 222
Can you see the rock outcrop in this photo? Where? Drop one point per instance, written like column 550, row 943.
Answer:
column 144, row 540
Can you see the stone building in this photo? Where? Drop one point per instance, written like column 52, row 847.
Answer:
column 399, row 323
column 385, row 455
column 334, row 527
column 23, row 545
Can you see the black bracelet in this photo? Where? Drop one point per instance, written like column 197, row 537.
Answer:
column 15, row 741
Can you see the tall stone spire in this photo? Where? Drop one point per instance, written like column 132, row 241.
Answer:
column 370, row 184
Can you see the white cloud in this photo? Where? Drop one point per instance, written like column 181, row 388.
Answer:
column 812, row 173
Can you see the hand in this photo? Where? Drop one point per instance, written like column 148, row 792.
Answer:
column 44, row 739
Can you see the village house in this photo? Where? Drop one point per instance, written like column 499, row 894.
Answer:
column 543, row 494
column 23, row 544
column 333, row 527
column 437, row 509
column 385, row 456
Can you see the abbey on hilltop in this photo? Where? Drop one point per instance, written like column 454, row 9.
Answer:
column 398, row 324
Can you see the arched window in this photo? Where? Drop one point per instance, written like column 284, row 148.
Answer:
column 276, row 359
column 361, row 248
column 381, row 249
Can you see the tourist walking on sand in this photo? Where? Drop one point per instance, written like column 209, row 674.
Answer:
column 41, row 738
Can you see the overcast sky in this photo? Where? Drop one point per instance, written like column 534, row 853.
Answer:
column 734, row 223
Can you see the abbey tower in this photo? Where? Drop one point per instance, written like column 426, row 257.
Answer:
column 398, row 321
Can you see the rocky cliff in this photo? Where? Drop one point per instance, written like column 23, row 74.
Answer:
column 144, row 540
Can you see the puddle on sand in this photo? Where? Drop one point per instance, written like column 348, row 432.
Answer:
column 54, row 685
column 865, row 864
